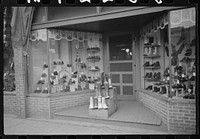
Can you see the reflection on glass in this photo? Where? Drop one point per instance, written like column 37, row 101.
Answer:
column 38, row 62
column 120, row 47
column 183, row 53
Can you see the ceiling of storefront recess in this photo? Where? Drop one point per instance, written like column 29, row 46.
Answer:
column 114, row 25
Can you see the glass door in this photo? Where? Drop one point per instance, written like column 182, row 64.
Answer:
column 121, row 64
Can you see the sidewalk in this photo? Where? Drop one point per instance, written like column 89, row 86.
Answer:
column 16, row 126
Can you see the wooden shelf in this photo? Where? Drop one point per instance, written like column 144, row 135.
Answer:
column 151, row 56
column 93, row 59
column 151, row 80
column 94, row 70
column 152, row 67
column 151, row 45
column 93, row 50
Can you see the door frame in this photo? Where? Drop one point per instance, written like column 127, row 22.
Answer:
column 107, row 63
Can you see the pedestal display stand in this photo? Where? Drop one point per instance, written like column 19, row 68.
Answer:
column 111, row 103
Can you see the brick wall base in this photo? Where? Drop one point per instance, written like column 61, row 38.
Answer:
column 44, row 106
column 58, row 103
column 9, row 103
column 178, row 114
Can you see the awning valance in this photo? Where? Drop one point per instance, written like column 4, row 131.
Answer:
column 154, row 25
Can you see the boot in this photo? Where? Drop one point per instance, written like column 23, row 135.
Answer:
column 104, row 103
column 146, row 51
column 106, row 89
column 91, row 103
column 99, row 103
column 95, row 102
column 155, row 51
column 150, row 51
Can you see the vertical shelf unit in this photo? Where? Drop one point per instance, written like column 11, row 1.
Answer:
column 151, row 65
column 92, row 59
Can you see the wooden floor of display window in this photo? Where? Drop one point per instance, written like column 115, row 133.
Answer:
column 129, row 113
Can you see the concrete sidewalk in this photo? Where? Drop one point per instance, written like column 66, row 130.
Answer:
column 16, row 126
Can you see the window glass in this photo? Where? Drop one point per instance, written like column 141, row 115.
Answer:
column 39, row 62
column 183, row 52
column 120, row 47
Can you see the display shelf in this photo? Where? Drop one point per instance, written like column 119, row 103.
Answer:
column 151, row 80
column 151, row 45
column 151, row 56
column 152, row 67
column 93, row 50
column 94, row 70
column 93, row 59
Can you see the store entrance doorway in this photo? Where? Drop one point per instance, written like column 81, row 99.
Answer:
column 121, row 65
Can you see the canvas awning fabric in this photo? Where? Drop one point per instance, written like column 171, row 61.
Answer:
column 154, row 25
column 21, row 25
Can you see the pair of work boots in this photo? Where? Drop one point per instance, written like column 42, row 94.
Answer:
column 98, row 103
column 156, row 64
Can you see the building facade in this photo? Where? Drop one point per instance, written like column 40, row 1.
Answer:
column 149, row 52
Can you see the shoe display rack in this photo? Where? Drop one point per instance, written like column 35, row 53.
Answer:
column 92, row 57
column 151, row 65
column 42, row 85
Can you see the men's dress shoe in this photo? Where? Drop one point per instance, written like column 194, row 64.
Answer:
column 146, row 64
column 150, row 75
column 157, row 64
column 147, row 75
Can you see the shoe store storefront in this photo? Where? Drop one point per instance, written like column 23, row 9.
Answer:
column 102, row 55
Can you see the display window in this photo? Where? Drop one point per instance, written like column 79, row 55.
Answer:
column 183, row 53
column 65, row 61
column 169, row 55
column 38, row 62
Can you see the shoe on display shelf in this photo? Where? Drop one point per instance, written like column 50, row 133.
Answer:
column 37, row 90
column 150, row 75
column 45, row 90
column 157, row 64
column 150, row 87
column 155, row 52
column 146, row 64
column 188, row 52
column 193, row 43
column 147, row 75
column 146, row 51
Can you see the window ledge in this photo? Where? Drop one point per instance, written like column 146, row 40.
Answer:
column 170, row 100
column 59, row 93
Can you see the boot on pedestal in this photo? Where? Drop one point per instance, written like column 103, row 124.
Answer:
column 91, row 103
column 104, row 103
column 99, row 103
column 95, row 102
